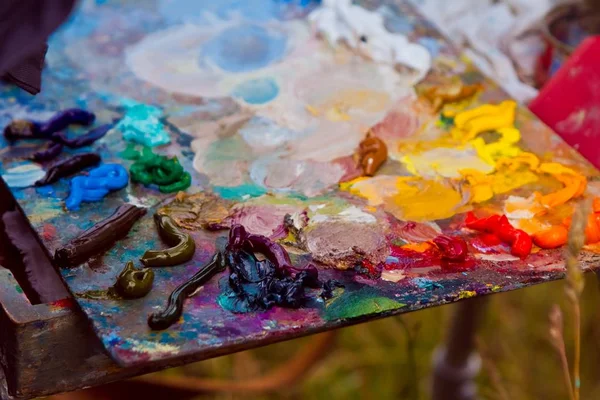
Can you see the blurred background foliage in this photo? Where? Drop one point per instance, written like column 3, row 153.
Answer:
column 391, row 358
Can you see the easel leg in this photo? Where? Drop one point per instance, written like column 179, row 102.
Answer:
column 456, row 363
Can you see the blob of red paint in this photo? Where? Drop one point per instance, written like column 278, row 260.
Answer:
column 48, row 231
column 63, row 303
column 450, row 253
column 498, row 225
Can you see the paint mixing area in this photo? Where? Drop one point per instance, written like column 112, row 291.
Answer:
column 303, row 199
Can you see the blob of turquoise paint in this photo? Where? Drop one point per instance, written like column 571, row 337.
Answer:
column 244, row 48
column 23, row 176
column 239, row 192
column 141, row 124
column 427, row 284
column 257, row 91
column 97, row 184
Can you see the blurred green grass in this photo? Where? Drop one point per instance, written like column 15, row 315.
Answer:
column 391, row 358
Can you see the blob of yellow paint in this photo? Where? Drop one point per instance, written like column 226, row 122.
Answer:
column 468, row 124
column 538, row 204
column 574, row 184
column 445, row 162
column 510, row 174
column 409, row 198
column 467, row 294
column 505, row 146
column 375, row 189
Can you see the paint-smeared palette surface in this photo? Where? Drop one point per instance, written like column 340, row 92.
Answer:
column 370, row 154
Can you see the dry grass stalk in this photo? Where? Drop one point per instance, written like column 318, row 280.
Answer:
column 573, row 290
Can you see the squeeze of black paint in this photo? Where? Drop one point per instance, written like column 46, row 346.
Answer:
column 20, row 263
column 82, row 140
column 49, row 152
column 174, row 309
column 255, row 285
column 69, row 167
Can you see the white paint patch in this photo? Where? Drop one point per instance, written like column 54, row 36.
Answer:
column 23, row 176
column 148, row 347
column 283, row 176
column 315, row 207
column 434, row 226
column 365, row 32
column 139, row 202
column 496, row 257
column 517, row 207
column 392, row 276
column 350, row 214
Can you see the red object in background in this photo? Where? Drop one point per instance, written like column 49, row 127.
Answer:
column 570, row 102
column 542, row 67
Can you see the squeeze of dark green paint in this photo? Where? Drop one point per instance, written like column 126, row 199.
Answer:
column 153, row 169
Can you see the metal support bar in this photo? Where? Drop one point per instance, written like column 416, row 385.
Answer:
column 456, row 363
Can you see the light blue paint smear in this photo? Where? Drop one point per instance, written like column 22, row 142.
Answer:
column 299, row 3
column 257, row 91
column 23, row 176
column 394, row 21
column 239, row 192
column 141, row 124
column 244, row 48
column 204, row 11
column 176, row 11
column 432, row 44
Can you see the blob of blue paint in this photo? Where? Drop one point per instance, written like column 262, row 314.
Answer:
column 112, row 339
column 97, row 184
column 257, row 91
column 244, row 48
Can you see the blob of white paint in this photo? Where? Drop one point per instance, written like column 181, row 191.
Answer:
column 23, row 176
column 365, row 32
column 350, row 214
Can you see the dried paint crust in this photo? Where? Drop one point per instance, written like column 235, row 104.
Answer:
column 285, row 170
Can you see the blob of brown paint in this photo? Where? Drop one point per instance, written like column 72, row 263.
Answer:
column 454, row 92
column 197, row 211
column 371, row 154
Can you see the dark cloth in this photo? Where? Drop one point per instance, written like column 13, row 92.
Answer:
column 25, row 26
